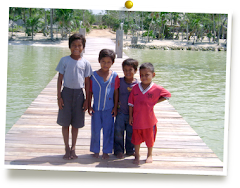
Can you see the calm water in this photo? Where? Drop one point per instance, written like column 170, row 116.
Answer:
column 196, row 81
column 30, row 69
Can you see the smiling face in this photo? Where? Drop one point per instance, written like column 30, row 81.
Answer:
column 76, row 48
column 106, row 63
column 146, row 76
column 129, row 72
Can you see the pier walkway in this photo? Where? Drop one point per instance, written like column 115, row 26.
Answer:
column 35, row 141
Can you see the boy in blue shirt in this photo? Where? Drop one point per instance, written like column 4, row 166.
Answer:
column 129, row 67
column 75, row 71
column 104, row 84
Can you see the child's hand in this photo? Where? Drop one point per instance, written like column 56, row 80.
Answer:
column 161, row 99
column 85, row 105
column 130, row 121
column 114, row 112
column 60, row 103
column 90, row 111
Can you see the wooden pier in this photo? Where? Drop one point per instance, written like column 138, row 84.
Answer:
column 35, row 141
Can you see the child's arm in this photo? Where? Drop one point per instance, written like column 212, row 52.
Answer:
column 59, row 87
column 87, row 90
column 116, row 94
column 90, row 109
column 164, row 95
column 161, row 99
column 90, row 94
column 130, row 115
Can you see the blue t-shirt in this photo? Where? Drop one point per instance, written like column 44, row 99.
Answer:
column 124, row 92
column 74, row 71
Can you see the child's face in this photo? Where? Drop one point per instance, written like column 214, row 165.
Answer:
column 76, row 47
column 129, row 71
column 106, row 63
column 146, row 76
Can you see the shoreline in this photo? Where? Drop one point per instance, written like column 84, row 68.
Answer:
column 178, row 47
column 40, row 40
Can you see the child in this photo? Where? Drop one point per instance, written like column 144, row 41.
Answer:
column 141, row 115
column 104, row 85
column 129, row 67
column 75, row 71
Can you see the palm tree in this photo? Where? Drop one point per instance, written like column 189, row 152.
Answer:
column 33, row 21
column 64, row 17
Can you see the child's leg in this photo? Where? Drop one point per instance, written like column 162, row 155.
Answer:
column 108, row 132
column 137, row 155
column 128, row 145
column 65, row 133
column 149, row 155
column 74, row 140
column 150, row 136
column 119, row 135
column 95, row 133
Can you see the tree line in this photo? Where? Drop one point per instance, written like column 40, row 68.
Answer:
column 49, row 21
column 169, row 25
column 156, row 25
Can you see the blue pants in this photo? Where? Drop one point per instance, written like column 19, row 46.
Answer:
column 102, row 120
column 122, row 124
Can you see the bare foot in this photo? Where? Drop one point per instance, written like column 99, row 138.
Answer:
column 67, row 154
column 149, row 159
column 96, row 155
column 73, row 154
column 120, row 155
column 136, row 160
column 105, row 156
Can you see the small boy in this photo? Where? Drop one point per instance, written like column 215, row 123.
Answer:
column 129, row 67
column 141, row 115
column 75, row 71
column 104, row 85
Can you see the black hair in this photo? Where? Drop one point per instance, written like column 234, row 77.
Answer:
column 106, row 53
column 130, row 62
column 77, row 36
column 147, row 66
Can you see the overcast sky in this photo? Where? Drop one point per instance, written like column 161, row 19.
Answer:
column 96, row 11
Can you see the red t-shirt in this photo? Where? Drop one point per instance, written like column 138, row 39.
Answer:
column 143, row 102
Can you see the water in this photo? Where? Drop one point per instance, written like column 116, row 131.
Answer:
column 196, row 80
column 30, row 69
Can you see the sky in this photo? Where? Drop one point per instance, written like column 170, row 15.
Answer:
column 96, row 11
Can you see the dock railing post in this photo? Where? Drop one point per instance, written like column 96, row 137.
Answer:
column 82, row 31
column 119, row 43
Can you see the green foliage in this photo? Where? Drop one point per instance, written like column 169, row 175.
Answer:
column 150, row 33
column 162, row 24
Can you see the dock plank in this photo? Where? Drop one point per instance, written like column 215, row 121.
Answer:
column 36, row 139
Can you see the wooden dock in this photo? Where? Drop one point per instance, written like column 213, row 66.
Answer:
column 35, row 141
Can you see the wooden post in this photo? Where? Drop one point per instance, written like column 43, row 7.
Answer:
column 119, row 43
column 82, row 31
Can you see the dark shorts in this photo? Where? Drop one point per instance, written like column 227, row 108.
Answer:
column 72, row 112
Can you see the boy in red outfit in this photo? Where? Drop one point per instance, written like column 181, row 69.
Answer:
column 141, row 101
